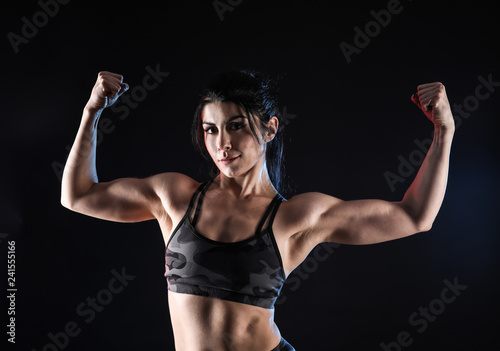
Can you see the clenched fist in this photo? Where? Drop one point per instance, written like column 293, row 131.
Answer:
column 432, row 99
column 107, row 89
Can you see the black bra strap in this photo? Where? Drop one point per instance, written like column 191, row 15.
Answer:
column 273, row 206
column 200, row 200
column 275, row 209
column 193, row 198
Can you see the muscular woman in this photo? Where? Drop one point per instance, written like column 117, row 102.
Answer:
column 232, row 241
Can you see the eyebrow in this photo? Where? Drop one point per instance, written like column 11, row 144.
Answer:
column 228, row 121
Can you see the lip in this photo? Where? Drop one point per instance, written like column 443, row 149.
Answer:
column 228, row 160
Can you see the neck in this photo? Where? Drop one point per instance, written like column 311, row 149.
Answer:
column 255, row 182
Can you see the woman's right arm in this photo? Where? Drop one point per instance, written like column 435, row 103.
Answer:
column 120, row 200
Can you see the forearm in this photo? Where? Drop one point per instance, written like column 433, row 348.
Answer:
column 424, row 197
column 80, row 172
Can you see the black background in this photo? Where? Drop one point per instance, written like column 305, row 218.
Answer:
column 352, row 121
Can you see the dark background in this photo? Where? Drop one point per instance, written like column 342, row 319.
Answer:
column 352, row 121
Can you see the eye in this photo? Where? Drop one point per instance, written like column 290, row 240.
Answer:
column 210, row 130
column 236, row 125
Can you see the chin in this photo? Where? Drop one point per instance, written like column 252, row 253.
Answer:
column 230, row 173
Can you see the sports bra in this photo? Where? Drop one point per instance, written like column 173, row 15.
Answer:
column 248, row 271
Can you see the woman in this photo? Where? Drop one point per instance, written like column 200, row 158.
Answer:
column 231, row 242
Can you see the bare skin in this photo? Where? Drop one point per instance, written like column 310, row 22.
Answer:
column 236, row 201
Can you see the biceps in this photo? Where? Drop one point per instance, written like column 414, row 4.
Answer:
column 120, row 200
column 364, row 222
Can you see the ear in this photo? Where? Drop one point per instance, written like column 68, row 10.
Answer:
column 273, row 125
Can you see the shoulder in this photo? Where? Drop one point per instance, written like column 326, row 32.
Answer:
column 309, row 203
column 303, row 210
column 174, row 190
column 171, row 181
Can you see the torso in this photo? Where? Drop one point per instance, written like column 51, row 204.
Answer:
column 204, row 323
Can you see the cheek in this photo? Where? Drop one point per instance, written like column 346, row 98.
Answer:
column 209, row 144
column 252, row 146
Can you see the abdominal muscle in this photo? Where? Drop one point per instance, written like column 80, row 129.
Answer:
column 205, row 324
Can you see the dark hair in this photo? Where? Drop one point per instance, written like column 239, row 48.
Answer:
column 258, row 96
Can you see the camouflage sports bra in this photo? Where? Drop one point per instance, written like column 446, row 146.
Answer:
column 248, row 271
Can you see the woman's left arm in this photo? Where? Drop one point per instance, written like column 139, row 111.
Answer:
column 372, row 221
column 423, row 198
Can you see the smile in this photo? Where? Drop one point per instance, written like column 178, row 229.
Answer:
column 228, row 160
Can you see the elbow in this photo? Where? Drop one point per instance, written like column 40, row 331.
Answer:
column 66, row 198
column 420, row 220
column 72, row 205
column 70, row 198
column 66, row 202
column 423, row 226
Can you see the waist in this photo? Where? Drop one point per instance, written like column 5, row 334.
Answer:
column 204, row 323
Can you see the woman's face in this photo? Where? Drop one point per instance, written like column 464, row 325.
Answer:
column 230, row 141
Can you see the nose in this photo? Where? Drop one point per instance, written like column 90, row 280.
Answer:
column 223, row 142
